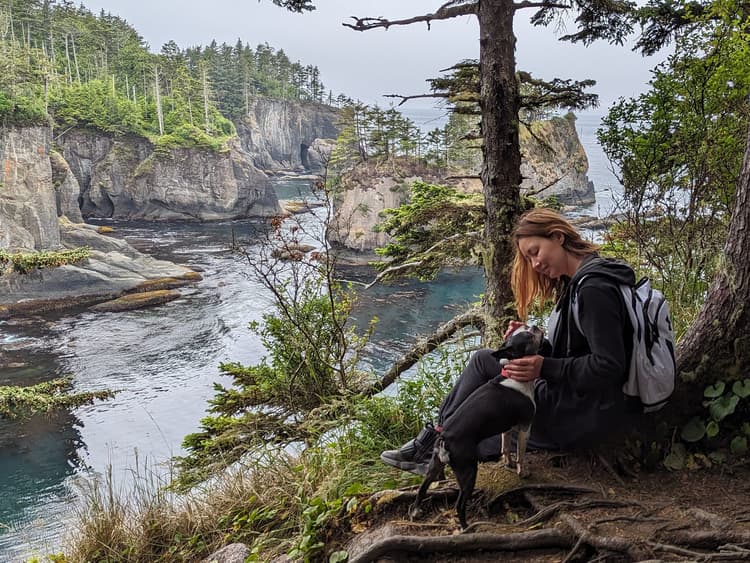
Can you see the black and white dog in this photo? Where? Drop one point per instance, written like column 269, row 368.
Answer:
column 497, row 407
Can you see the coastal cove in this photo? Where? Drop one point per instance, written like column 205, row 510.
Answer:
column 164, row 361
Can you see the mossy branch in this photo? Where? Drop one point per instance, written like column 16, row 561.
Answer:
column 472, row 317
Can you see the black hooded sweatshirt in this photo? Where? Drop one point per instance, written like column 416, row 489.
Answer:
column 579, row 395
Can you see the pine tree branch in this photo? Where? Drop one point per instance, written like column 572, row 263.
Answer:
column 446, row 11
column 391, row 269
column 545, row 5
column 405, row 99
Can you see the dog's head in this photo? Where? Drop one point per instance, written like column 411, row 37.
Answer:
column 525, row 341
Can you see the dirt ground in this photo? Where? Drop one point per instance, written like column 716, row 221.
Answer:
column 572, row 508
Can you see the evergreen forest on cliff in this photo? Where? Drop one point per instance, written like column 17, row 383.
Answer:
column 285, row 467
column 60, row 62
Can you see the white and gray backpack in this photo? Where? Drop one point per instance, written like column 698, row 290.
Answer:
column 651, row 378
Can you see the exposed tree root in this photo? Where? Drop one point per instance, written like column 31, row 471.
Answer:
column 549, row 511
column 466, row 543
column 669, row 518
column 539, row 487
column 709, row 539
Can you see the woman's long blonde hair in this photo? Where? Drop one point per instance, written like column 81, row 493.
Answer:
column 527, row 284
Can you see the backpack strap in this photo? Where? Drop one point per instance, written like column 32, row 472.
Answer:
column 628, row 306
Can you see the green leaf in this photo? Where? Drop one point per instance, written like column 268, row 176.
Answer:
column 351, row 505
column 741, row 388
column 712, row 429
column 723, row 407
column 713, row 391
column 694, row 430
column 745, row 428
column 676, row 458
column 338, row 557
column 738, row 445
column 354, row 489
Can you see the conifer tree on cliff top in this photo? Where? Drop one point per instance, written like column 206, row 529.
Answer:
column 500, row 102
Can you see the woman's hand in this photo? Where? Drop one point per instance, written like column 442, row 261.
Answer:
column 512, row 326
column 524, row 369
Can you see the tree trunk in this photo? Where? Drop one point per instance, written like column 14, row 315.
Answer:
column 501, row 168
column 205, row 101
column 717, row 344
column 157, row 98
column 75, row 58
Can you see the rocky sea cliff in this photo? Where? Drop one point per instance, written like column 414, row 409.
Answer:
column 554, row 164
column 53, row 181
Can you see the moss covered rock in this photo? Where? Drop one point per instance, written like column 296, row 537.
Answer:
column 137, row 301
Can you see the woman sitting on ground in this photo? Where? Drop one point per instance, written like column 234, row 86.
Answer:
column 578, row 388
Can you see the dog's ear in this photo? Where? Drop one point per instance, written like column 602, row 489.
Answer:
column 546, row 348
column 502, row 352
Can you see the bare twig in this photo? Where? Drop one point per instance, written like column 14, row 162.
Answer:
column 391, row 269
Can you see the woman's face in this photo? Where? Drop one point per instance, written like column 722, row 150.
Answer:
column 547, row 255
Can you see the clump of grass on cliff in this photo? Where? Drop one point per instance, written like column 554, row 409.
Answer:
column 25, row 262
column 276, row 502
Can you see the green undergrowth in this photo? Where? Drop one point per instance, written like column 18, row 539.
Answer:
column 276, row 501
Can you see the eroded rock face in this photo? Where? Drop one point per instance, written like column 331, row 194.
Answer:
column 124, row 178
column 318, row 155
column 28, row 212
column 66, row 188
column 37, row 186
column 282, row 134
column 554, row 163
column 365, row 192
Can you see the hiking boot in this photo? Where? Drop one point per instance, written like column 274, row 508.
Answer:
column 414, row 456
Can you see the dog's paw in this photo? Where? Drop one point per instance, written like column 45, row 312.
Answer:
column 506, row 460
column 415, row 512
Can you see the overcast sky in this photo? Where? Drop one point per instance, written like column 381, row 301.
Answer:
column 367, row 65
